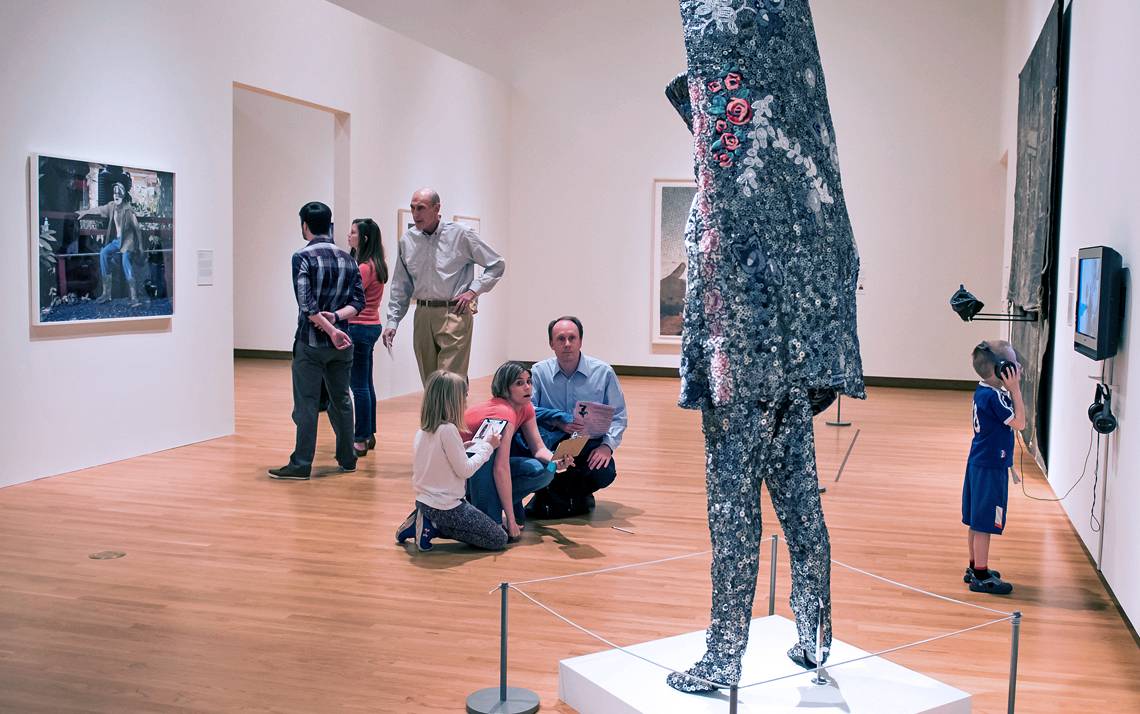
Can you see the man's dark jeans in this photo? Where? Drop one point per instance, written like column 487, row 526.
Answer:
column 313, row 366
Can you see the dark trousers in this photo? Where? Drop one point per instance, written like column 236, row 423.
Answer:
column 570, row 493
column 313, row 366
column 363, row 389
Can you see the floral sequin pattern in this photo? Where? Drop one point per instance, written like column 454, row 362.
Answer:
column 769, row 230
column 730, row 111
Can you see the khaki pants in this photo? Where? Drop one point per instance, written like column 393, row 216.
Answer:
column 442, row 340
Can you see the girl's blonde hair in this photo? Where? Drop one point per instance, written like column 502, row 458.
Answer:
column 445, row 400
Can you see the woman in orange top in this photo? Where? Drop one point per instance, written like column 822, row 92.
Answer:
column 499, row 486
column 365, row 328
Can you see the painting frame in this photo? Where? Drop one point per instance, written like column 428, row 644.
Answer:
column 68, row 282
column 404, row 222
column 671, row 201
column 470, row 222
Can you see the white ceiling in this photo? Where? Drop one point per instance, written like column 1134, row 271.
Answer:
column 477, row 32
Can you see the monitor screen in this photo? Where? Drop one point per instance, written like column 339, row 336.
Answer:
column 1088, row 297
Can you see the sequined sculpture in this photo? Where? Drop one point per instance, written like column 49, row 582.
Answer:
column 769, row 329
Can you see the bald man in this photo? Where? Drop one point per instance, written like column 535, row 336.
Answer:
column 436, row 269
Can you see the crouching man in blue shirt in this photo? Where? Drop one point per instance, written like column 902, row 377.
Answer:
column 559, row 383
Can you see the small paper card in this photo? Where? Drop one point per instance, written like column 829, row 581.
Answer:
column 595, row 418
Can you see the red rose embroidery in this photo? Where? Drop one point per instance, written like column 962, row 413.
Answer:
column 724, row 159
column 738, row 111
column 730, row 142
column 732, row 80
column 721, row 125
column 715, row 86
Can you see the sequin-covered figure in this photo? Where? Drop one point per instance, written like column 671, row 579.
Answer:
column 769, row 329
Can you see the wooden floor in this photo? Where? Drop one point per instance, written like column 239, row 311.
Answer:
column 238, row 593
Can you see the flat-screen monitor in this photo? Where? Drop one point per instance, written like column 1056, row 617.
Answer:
column 1098, row 304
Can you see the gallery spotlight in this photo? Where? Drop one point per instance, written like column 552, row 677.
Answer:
column 969, row 308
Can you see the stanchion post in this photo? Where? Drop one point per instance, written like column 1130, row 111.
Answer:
column 503, row 589
column 772, row 581
column 1015, row 636
column 819, row 677
column 502, row 699
column 733, row 697
column 838, row 413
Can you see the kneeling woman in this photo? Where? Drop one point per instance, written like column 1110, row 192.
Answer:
column 500, row 486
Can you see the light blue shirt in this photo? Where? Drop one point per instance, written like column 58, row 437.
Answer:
column 592, row 381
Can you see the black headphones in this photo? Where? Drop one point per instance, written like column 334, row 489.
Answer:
column 1100, row 411
column 1001, row 366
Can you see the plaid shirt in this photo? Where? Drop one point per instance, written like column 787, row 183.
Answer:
column 325, row 279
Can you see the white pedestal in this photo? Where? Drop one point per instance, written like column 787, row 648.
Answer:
column 612, row 682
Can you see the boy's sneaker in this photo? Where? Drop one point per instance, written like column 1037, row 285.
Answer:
column 407, row 529
column 992, row 584
column 425, row 531
column 970, row 574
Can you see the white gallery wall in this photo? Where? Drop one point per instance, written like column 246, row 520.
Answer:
column 151, row 84
column 283, row 158
column 1100, row 205
column 916, row 101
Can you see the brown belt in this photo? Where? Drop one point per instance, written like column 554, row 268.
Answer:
column 436, row 303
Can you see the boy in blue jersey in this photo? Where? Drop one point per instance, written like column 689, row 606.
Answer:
column 998, row 410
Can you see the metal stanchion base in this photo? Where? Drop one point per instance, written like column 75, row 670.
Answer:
column 486, row 701
column 838, row 423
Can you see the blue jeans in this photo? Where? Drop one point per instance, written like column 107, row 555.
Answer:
column 364, row 339
column 527, row 476
column 105, row 254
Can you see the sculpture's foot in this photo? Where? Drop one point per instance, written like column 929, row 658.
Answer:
column 716, row 675
column 805, row 658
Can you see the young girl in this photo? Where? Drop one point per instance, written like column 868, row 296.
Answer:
column 440, row 469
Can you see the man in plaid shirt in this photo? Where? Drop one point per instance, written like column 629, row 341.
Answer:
column 326, row 281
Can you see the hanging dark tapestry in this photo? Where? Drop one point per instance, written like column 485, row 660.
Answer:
column 1036, row 202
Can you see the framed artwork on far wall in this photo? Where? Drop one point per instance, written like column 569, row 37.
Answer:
column 671, row 202
column 102, row 241
column 404, row 222
column 471, row 222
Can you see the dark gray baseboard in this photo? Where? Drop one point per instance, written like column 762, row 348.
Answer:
column 897, row 382
column 263, row 354
column 628, row 370
column 961, row 385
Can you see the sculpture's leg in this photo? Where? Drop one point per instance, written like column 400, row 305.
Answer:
column 793, row 485
column 736, row 437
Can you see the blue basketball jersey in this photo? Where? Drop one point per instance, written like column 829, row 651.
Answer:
column 993, row 437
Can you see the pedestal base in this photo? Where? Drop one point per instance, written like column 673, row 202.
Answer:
column 612, row 682
column 487, row 701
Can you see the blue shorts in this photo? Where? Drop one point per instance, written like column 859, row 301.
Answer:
column 985, row 493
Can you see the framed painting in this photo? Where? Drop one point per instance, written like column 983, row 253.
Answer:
column 471, row 222
column 404, row 222
column 671, row 202
column 102, row 241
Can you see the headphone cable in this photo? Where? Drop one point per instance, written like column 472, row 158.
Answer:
column 1084, row 470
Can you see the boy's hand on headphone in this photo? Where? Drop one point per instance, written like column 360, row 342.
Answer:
column 1011, row 379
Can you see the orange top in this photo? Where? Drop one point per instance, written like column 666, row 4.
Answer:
column 496, row 408
column 373, row 294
